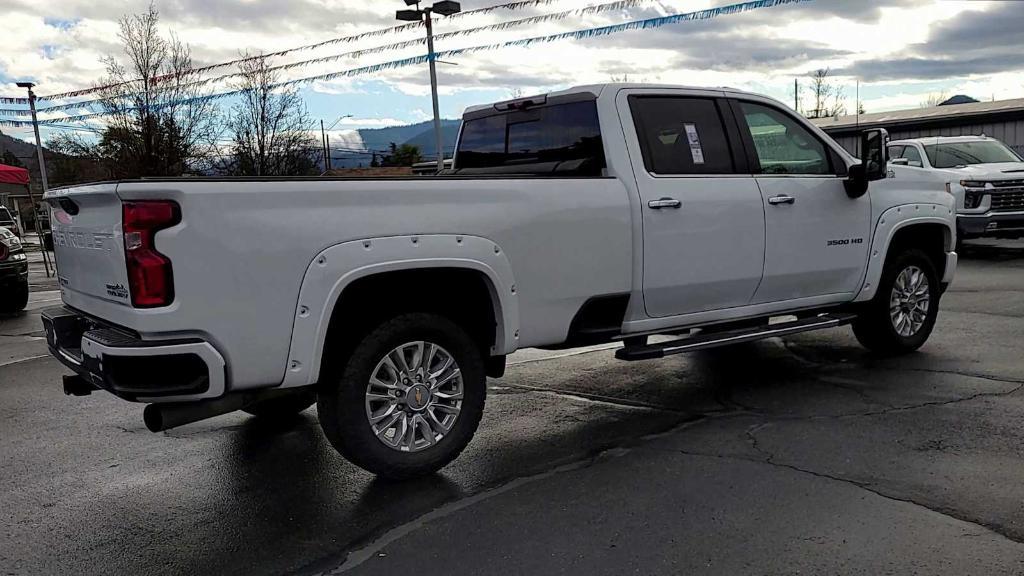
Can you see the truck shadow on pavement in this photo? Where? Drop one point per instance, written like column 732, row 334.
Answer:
column 538, row 418
column 992, row 253
column 274, row 497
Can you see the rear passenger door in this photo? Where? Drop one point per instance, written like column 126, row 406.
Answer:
column 816, row 236
column 703, row 223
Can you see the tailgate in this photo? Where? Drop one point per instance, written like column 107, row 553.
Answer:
column 88, row 243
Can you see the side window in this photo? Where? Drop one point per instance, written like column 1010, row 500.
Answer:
column 896, row 151
column 913, row 156
column 680, row 135
column 782, row 144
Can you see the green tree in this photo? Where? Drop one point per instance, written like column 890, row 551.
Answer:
column 402, row 155
column 10, row 159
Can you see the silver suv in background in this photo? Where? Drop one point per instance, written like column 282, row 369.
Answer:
column 985, row 175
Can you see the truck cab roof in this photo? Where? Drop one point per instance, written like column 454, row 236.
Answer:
column 595, row 91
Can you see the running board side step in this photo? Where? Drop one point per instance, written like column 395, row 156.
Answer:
column 714, row 340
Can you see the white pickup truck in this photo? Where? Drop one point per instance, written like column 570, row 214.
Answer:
column 595, row 214
column 984, row 175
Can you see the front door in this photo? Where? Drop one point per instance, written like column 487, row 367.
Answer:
column 817, row 237
column 703, row 224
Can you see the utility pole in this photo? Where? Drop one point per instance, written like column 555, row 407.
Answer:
column 796, row 95
column 444, row 8
column 327, row 137
column 42, row 174
column 323, row 142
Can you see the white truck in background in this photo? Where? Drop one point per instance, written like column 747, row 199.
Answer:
column 596, row 214
column 984, row 175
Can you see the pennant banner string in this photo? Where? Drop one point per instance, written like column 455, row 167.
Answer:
column 643, row 24
column 333, row 41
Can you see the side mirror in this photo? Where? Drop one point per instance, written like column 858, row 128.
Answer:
column 874, row 153
column 900, row 161
column 873, row 165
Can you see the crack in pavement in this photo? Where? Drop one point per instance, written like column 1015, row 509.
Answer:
column 769, row 458
column 852, row 386
column 889, row 410
column 982, row 291
column 1003, row 379
column 917, row 406
column 601, row 399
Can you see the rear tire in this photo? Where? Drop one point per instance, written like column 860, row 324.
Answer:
column 15, row 298
column 901, row 316
column 283, row 407
column 399, row 408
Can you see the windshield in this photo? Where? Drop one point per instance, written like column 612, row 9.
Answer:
column 952, row 154
column 5, row 216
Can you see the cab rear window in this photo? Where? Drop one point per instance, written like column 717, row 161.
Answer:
column 556, row 140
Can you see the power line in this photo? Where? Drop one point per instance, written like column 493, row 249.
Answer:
column 518, row 5
column 594, row 9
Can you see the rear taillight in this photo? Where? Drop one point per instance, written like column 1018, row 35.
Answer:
column 149, row 272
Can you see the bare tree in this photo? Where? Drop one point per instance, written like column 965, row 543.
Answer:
column 160, row 121
column 268, row 127
column 827, row 97
column 934, row 99
column 624, row 78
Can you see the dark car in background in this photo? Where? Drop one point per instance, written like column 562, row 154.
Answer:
column 13, row 273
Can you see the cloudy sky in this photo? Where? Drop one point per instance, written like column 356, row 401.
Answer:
column 901, row 50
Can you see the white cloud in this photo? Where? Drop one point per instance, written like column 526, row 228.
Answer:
column 762, row 49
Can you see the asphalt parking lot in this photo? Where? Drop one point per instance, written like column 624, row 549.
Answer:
column 798, row 456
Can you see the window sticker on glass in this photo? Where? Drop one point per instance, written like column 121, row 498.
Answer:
column 695, row 150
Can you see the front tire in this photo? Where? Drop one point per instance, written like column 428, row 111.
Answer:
column 409, row 398
column 901, row 316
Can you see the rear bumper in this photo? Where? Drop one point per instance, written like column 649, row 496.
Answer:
column 990, row 224
column 116, row 360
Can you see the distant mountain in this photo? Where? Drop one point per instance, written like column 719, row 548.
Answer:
column 379, row 139
column 26, row 153
column 21, row 149
column 427, row 142
column 958, row 99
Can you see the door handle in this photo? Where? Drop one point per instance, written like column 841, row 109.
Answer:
column 664, row 203
column 782, row 199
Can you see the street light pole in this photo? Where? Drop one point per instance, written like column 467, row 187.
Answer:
column 444, row 8
column 433, row 90
column 42, row 173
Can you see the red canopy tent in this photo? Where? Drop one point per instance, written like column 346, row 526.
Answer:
column 13, row 175
column 13, row 187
